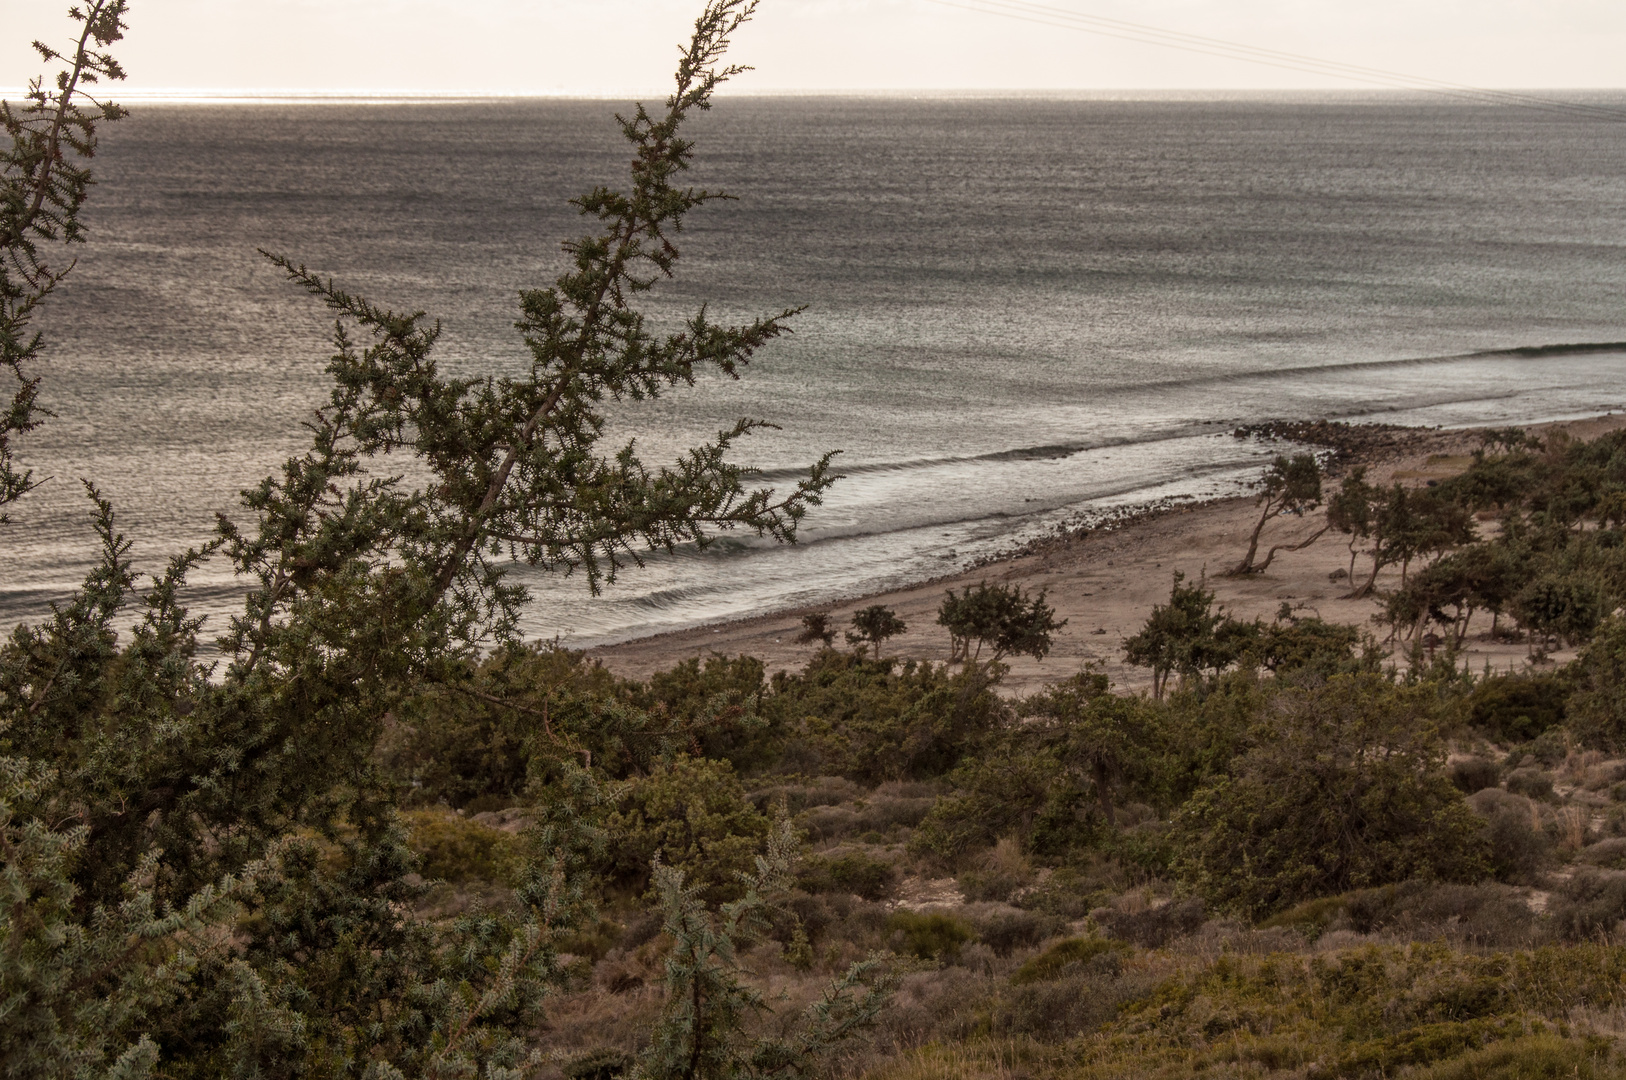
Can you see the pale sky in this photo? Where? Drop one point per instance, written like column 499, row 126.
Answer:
column 592, row 47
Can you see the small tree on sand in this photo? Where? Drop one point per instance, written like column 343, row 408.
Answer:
column 1188, row 636
column 874, row 625
column 816, row 627
column 1290, row 486
column 1003, row 618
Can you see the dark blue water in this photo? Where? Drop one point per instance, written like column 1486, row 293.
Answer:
column 1015, row 308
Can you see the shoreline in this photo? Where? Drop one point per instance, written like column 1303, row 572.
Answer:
column 1105, row 579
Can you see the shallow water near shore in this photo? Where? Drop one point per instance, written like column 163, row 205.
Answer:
column 1017, row 310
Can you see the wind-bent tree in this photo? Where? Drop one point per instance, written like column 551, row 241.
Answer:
column 1290, row 486
column 44, row 180
column 204, row 873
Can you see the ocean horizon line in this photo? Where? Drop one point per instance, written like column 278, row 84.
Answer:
column 406, row 96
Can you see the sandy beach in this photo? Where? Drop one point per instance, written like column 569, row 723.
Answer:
column 1106, row 582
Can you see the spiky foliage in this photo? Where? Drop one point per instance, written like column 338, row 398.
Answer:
column 204, row 870
column 704, row 1033
column 44, row 179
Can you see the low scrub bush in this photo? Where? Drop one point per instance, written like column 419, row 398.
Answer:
column 1598, row 706
column 874, row 720
column 1483, row 915
column 928, row 935
column 849, row 872
column 999, row 873
column 719, row 702
column 1518, row 707
column 797, row 797
column 693, row 814
column 1370, row 1012
column 1072, row 892
column 1589, row 906
column 1530, row 782
column 836, row 919
column 1311, row 811
column 1154, row 927
column 605, row 1063
column 1089, row 995
column 1538, row 1057
column 1312, row 918
column 1610, row 853
column 1003, row 793
column 1005, row 929
column 453, row 747
column 1471, row 774
column 454, row 849
column 1518, row 849
column 1056, row 960
column 879, row 814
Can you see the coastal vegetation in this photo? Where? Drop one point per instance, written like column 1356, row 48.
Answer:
column 381, row 836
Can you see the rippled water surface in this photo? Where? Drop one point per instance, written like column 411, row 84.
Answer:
column 1014, row 308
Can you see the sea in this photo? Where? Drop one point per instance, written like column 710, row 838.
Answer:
column 1016, row 313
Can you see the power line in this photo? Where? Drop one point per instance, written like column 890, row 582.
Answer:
column 1046, row 15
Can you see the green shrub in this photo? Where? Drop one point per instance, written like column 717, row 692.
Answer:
column 1473, row 774
column 928, row 935
column 1310, row 647
column 455, row 743
column 875, row 720
column 1538, row 1057
column 693, row 814
column 1518, row 707
column 1530, row 782
column 719, row 701
column 594, row 941
column 1053, row 962
column 451, row 848
column 1312, row 917
column 1312, row 810
column 850, row 872
column 1568, row 606
column 1518, row 851
column 1155, row 927
column 1549, row 748
column 1004, row 792
column 1598, row 706
column 1005, row 929
column 605, row 1063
